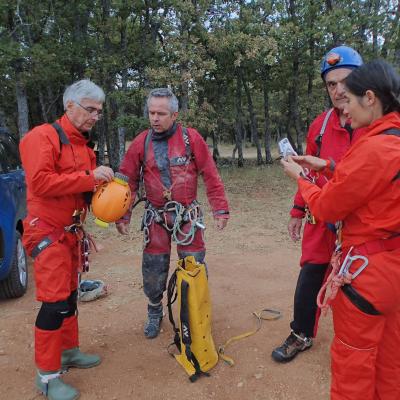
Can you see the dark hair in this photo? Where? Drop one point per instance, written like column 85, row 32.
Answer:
column 381, row 78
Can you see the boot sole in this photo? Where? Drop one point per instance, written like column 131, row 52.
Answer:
column 282, row 360
column 42, row 393
column 66, row 366
column 152, row 337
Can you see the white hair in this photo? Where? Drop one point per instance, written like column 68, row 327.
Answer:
column 83, row 89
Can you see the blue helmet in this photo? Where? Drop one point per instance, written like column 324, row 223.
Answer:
column 340, row 57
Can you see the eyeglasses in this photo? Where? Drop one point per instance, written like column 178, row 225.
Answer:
column 94, row 112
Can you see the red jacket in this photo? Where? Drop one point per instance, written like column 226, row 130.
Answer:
column 184, row 179
column 318, row 241
column 364, row 191
column 56, row 181
column 335, row 142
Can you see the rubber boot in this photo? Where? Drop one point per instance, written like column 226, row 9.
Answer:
column 76, row 359
column 152, row 326
column 53, row 387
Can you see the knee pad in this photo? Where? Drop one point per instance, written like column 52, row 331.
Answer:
column 51, row 315
column 72, row 303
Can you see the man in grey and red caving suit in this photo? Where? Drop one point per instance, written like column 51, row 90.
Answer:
column 167, row 160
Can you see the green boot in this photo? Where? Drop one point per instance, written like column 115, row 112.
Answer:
column 53, row 387
column 75, row 358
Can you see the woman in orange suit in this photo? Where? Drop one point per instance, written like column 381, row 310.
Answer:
column 364, row 194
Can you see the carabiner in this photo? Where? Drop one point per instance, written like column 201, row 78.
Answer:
column 359, row 270
column 348, row 261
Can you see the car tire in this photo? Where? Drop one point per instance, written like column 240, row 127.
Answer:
column 16, row 283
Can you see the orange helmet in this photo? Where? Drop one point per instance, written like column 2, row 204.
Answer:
column 111, row 200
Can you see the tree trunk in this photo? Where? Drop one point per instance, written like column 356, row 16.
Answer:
column 294, row 117
column 113, row 138
column 391, row 32
column 215, row 146
column 42, row 106
column 310, row 71
column 22, row 104
column 101, row 144
column 253, row 122
column 267, row 126
column 124, row 88
column 239, row 122
column 3, row 123
column 335, row 36
column 375, row 34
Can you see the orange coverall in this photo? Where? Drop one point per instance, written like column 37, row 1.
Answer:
column 55, row 182
column 365, row 194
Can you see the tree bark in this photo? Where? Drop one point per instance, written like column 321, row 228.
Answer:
column 335, row 36
column 253, row 121
column 267, row 126
column 215, row 146
column 22, row 104
column 239, row 121
column 391, row 32
column 294, row 117
column 42, row 106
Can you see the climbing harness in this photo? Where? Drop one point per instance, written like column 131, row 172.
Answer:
column 84, row 241
column 271, row 315
column 341, row 277
column 309, row 217
column 173, row 217
column 188, row 286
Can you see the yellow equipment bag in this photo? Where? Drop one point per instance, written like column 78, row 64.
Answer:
column 189, row 285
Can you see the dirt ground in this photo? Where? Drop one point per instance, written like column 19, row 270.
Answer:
column 252, row 265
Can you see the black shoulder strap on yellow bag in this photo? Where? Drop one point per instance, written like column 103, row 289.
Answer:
column 171, row 298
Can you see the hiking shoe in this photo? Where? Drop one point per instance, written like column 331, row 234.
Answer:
column 76, row 359
column 293, row 345
column 152, row 326
column 53, row 387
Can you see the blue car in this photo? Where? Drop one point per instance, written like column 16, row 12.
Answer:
column 13, row 260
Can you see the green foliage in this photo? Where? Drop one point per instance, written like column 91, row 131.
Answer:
column 198, row 48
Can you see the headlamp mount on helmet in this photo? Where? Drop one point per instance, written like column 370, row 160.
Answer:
column 333, row 58
column 340, row 57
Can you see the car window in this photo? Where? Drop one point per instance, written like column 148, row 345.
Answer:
column 9, row 156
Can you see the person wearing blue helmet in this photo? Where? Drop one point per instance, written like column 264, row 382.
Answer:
column 329, row 136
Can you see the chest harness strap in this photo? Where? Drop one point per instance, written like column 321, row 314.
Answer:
column 181, row 160
column 84, row 241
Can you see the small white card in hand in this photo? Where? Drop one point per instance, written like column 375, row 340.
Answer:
column 286, row 149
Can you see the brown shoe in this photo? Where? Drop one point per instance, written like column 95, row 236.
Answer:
column 293, row 345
